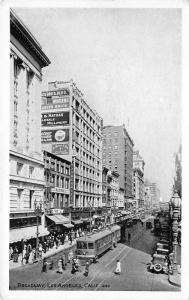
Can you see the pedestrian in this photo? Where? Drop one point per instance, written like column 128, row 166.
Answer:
column 86, row 269
column 129, row 237
column 10, row 253
column 66, row 238
column 70, row 256
column 15, row 255
column 60, row 270
column 40, row 250
column 77, row 263
column 44, row 266
column 63, row 262
column 118, row 267
column 27, row 256
column 70, row 239
column 51, row 264
column 74, row 267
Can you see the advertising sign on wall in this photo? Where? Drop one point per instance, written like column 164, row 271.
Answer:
column 58, row 135
column 62, row 92
column 54, row 102
column 72, row 184
column 60, row 149
column 56, row 118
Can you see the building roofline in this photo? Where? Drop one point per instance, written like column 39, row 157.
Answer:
column 56, row 156
column 26, row 37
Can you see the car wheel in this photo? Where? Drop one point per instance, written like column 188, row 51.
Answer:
column 158, row 268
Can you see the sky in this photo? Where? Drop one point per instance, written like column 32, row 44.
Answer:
column 127, row 63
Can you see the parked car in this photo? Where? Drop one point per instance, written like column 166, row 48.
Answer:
column 162, row 251
column 162, row 245
column 159, row 263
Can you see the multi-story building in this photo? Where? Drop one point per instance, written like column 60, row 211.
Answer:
column 121, row 201
column 72, row 130
column 117, row 154
column 138, row 179
column 152, row 194
column 57, row 182
column 57, row 191
column 26, row 161
column 114, row 188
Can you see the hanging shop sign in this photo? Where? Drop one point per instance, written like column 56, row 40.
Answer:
column 55, row 118
column 71, row 184
column 58, row 135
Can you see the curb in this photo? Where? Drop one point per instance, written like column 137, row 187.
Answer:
column 46, row 256
column 173, row 283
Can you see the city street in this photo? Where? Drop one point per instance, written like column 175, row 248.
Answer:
column 134, row 276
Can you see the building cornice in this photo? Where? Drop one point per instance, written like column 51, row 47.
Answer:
column 21, row 32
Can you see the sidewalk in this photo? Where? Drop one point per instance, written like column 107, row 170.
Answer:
column 176, row 279
column 48, row 254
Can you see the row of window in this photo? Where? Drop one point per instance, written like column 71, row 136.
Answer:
column 78, row 122
column 58, row 181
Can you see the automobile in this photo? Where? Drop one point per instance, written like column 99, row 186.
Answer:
column 162, row 251
column 162, row 245
column 159, row 263
column 163, row 240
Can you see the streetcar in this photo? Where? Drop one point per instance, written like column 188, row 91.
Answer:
column 91, row 246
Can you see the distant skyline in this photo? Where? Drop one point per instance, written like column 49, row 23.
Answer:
column 127, row 63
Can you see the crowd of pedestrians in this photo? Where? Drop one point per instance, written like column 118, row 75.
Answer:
column 27, row 252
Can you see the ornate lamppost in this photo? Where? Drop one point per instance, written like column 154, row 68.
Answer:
column 38, row 211
column 176, row 206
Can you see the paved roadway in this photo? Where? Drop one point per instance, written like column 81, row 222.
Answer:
column 134, row 277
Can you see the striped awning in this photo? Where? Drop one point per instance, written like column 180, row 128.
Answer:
column 77, row 222
column 26, row 233
column 59, row 219
column 68, row 225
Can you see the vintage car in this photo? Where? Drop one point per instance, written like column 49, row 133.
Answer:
column 162, row 251
column 159, row 263
column 162, row 245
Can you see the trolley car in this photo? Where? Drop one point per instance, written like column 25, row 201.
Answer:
column 93, row 245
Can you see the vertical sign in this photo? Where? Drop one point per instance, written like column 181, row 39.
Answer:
column 72, row 184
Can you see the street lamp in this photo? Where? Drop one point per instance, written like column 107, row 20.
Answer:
column 176, row 205
column 38, row 211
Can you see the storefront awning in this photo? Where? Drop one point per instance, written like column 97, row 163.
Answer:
column 77, row 222
column 59, row 219
column 68, row 225
column 124, row 212
column 26, row 233
column 85, row 220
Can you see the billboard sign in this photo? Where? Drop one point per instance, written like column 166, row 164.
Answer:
column 58, row 135
column 72, row 184
column 60, row 149
column 56, row 118
column 54, row 102
column 60, row 92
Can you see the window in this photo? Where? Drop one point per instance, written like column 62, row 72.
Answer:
column 67, row 184
column 67, row 171
column 19, row 168
column 30, row 198
column 81, row 245
column 31, row 169
column 115, row 133
column 90, row 246
column 116, row 147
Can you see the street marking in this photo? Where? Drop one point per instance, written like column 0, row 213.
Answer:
column 109, row 264
column 112, row 270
